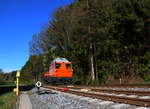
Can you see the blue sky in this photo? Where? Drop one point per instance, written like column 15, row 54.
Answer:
column 19, row 20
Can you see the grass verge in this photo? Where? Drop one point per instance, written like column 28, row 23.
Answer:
column 8, row 101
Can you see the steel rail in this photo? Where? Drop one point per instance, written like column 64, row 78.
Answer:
column 128, row 92
column 119, row 99
column 122, row 85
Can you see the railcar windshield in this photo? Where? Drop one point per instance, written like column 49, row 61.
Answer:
column 57, row 66
column 68, row 66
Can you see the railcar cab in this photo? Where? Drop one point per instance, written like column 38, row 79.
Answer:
column 60, row 70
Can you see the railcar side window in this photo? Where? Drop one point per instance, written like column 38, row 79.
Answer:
column 57, row 66
column 68, row 66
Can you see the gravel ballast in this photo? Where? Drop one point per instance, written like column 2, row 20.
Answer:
column 61, row 100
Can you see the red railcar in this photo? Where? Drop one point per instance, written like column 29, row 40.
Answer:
column 60, row 71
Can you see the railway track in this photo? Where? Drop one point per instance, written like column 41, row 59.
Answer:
column 119, row 99
column 126, row 85
column 127, row 92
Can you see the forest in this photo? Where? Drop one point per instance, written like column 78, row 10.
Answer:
column 104, row 39
column 7, row 78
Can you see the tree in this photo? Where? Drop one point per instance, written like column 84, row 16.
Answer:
column 100, row 37
column 32, row 69
column 1, row 71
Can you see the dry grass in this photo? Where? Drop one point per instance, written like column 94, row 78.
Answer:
column 8, row 101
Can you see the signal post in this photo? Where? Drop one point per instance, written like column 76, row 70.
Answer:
column 17, row 82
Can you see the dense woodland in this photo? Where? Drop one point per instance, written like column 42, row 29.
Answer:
column 102, row 38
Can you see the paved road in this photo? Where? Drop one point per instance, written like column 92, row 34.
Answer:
column 25, row 101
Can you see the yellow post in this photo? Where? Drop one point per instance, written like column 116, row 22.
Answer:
column 17, row 82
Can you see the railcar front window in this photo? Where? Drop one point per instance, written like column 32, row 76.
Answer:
column 57, row 66
column 68, row 66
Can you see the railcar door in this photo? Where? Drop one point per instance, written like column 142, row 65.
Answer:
column 69, row 70
column 51, row 70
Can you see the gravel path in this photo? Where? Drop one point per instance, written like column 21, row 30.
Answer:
column 61, row 100
column 24, row 101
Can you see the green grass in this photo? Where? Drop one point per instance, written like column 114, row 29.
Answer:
column 8, row 100
column 7, row 85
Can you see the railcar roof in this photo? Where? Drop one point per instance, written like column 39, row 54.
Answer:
column 61, row 60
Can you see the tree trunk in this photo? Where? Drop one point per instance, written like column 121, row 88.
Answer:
column 92, row 63
column 93, row 60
